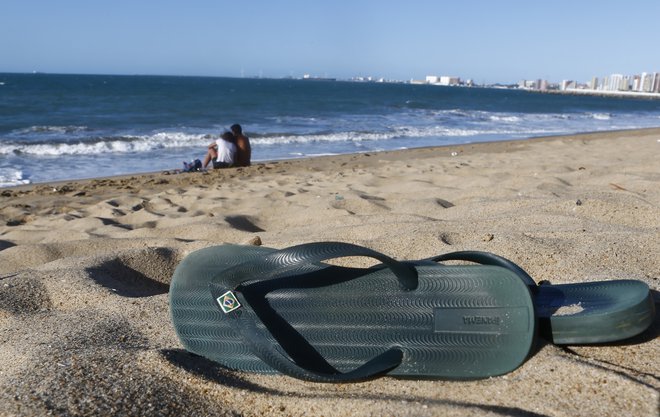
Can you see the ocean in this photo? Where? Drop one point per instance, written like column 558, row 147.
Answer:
column 65, row 127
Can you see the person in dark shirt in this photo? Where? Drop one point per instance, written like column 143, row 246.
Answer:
column 243, row 148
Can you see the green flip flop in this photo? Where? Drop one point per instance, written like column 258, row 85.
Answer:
column 263, row 310
column 584, row 313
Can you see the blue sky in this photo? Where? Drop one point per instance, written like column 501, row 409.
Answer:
column 488, row 41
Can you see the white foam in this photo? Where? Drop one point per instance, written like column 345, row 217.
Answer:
column 128, row 144
column 170, row 140
column 51, row 129
column 11, row 177
column 314, row 138
column 312, row 155
column 601, row 116
column 505, row 118
column 357, row 137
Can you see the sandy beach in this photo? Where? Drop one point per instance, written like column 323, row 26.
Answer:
column 85, row 268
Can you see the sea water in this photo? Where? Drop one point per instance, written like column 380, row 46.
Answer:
column 59, row 127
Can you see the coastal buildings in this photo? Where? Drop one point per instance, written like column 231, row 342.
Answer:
column 441, row 80
column 539, row 84
column 641, row 85
column 638, row 83
column 645, row 85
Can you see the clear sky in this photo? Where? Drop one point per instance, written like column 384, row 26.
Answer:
column 488, row 41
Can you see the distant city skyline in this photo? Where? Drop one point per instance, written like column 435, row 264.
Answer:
column 488, row 42
column 644, row 84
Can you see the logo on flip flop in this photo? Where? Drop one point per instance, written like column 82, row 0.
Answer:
column 228, row 302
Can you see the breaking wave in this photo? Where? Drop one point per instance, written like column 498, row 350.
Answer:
column 166, row 140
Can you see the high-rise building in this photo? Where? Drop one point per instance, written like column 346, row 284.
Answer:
column 568, row 85
column 618, row 82
column 447, row 80
column 646, row 82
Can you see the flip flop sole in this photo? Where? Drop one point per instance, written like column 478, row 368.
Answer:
column 460, row 323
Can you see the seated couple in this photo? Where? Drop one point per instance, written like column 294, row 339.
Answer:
column 231, row 150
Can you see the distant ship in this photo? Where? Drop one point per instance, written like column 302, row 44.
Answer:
column 310, row 78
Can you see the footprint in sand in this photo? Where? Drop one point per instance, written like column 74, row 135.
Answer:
column 4, row 244
column 444, row 203
column 244, row 223
column 365, row 204
column 137, row 273
column 449, row 238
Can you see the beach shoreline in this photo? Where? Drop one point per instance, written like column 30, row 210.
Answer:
column 486, row 146
column 85, row 267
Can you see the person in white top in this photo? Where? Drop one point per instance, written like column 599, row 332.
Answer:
column 222, row 152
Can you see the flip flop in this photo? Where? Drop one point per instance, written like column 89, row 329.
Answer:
column 257, row 309
column 584, row 313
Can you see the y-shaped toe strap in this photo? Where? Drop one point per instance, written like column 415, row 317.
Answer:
column 486, row 258
column 226, row 291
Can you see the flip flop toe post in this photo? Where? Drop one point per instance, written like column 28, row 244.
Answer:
column 262, row 310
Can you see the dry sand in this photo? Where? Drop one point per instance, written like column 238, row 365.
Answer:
column 85, row 268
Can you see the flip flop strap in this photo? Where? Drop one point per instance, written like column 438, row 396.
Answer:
column 280, row 264
column 486, row 258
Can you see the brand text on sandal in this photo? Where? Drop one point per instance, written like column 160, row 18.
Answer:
column 496, row 320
